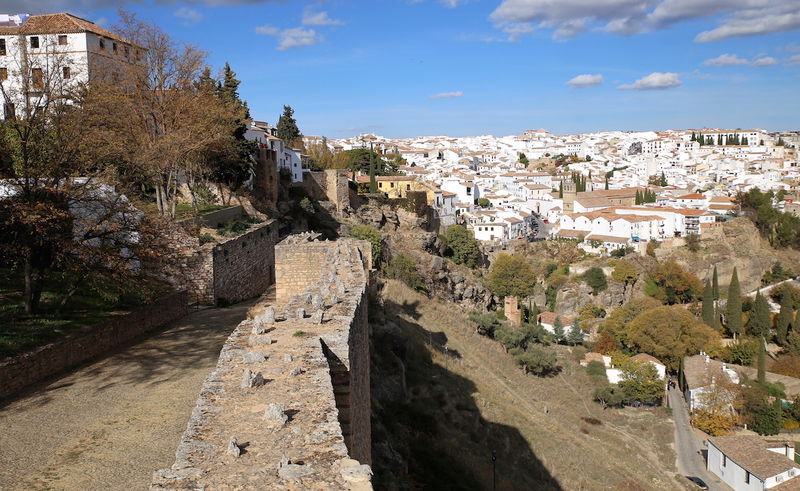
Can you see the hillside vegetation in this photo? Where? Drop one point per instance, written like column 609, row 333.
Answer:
column 445, row 397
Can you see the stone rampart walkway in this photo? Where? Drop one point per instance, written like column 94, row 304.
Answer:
column 110, row 424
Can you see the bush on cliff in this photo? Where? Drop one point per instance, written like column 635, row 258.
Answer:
column 371, row 235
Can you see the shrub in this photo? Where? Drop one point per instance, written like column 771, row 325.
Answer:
column 206, row 238
column 742, row 352
column 596, row 279
column 485, row 322
column 307, row 206
column 371, row 235
column 693, row 242
column 404, row 268
column 596, row 368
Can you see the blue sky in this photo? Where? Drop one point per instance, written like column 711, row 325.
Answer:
column 499, row 66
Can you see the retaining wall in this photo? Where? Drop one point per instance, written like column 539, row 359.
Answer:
column 288, row 404
column 83, row 344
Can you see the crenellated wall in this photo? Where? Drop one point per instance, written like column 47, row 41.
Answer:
column 288, row 404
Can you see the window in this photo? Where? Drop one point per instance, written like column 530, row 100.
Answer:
column 4, row 73
column 65, row 72
column 408, row 187
column 114, row 47
column 469, row 190
column 34, row 41
column 37, row 78
column 746, row 477
column 62, row 40
column 2, row 46
column 724, row 460
column 102, row 44
column 392, row 184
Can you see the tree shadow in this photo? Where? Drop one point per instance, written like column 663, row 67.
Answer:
column 428, row 430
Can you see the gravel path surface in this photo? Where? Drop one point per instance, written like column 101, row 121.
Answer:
column 108, row 425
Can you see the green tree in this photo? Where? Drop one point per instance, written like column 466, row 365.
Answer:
column 715, row 284
column 287, row 126
column 537, row 360
column 462, row 245
column 618, row 322
column 762, row 361
column 609, row 396
column 669, row 333
column 743, row 351
column 558, row 330
column 484, row 203
column 523, row 159
column 639, row 381
column 596, row 279
column 785, row 318
column 765, row 419
column 708, row 304
column 662, row 180
column 485, row 322
column 733, row 309
column 575, row 335
column 511, row 276
column 371, row 235
column 760, row 319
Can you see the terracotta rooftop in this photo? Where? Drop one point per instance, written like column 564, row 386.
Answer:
column 750, row 453
column 60, row 23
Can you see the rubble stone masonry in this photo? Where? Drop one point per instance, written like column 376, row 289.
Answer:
column 288, row 404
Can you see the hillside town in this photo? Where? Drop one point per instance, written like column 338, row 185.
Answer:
column 613, row 189
column 365, row 311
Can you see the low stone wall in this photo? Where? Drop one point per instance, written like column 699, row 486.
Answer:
column 77, row 346
column 288, row 404
column 215, row 219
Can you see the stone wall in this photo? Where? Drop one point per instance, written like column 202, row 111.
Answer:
column 329, row 185
column 234, row 270
column 77, row 346
column 244, row 267
column 288, row 404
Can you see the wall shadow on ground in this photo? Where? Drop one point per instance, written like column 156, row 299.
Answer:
column 428, row 431
column 153, row 358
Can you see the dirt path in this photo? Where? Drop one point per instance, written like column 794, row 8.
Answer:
column 108, row 425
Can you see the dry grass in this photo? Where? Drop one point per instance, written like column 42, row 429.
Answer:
column 627, row 448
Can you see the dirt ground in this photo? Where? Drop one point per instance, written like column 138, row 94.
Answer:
column 108, row 425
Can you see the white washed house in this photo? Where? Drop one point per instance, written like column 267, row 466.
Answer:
column 750, row 463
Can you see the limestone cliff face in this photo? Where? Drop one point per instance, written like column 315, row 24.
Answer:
column 736, row 244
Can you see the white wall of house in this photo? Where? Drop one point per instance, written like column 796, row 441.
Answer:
column 731, row 473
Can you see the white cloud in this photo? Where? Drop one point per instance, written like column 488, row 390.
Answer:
column 319, row 19
column 655, row 81
column 585, row 80
column 446, row 95
column 189, row 16
column 566, row 18
column 793, row 60
column 291, row 38
column 765, row 61
column 725, row 60
column 754, row 22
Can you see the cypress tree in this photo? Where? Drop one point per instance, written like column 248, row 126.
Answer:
column 373, row 184
column 560, row 189
column 715, row 284
column 694, row 138
column 708, row 304
column 287, row 126
column 606, row 182
column 785, row 318
column 575, row 335
column 700, row 139
column 762, row 362
column 638, row 198
column 733, row 314
column 760, row 319
column 558, row 330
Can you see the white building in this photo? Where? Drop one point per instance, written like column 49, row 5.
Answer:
column 56, row 52
column 750, row 463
